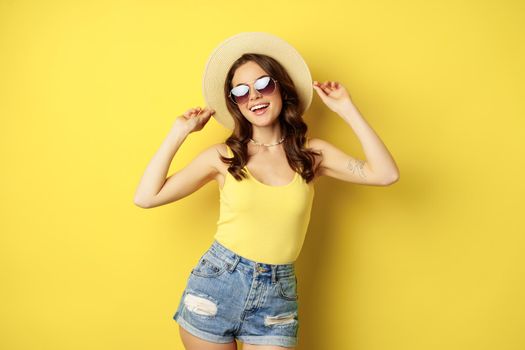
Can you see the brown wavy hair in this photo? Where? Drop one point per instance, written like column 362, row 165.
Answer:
column 300, row 158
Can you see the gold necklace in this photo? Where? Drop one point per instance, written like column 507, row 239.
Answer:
column 268, row 144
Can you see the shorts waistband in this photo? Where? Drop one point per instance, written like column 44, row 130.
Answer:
column 247, row 265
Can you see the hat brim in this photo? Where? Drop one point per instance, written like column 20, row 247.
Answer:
column 226, row 53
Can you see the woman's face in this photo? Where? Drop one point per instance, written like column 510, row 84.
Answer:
column 248, row 73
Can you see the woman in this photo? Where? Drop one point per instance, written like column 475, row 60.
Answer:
column 244, row 286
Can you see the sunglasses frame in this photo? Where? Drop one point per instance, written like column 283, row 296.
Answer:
column 250, row 88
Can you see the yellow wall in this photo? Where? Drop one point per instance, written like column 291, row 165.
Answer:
column 89, row 89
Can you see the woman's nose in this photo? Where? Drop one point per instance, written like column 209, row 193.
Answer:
column 254, row 93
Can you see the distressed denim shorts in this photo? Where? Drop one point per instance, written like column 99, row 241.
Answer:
column 228, row 296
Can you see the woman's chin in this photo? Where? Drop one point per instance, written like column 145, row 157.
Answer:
column 262, row 121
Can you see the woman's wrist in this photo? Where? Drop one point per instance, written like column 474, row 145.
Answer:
column 177, row 136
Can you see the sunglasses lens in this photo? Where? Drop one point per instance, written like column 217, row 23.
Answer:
column 240, row 94
column 262, row 83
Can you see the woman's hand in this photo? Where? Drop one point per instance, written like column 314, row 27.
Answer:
column 333, row 94
column 193, row 119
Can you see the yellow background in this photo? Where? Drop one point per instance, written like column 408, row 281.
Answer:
column 88, row 91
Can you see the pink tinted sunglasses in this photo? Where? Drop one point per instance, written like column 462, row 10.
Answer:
column 264, row 85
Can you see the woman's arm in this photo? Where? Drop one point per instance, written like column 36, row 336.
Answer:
column 154, row 176
column 378, row 158
column 379, row 167
column 154, row 189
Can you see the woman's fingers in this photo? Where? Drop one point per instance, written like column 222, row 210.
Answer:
column 197, row 111
column 327, row 84
column 325, row 87
column 319, row 87
column 190, row 112
column 330, row 86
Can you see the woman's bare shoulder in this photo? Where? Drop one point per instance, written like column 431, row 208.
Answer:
column 219, row 149
column 314, row 143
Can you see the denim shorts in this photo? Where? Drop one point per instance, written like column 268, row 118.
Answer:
column 228, row 296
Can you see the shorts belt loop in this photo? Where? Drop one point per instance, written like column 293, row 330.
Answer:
column 274, row 279
column 233, row 265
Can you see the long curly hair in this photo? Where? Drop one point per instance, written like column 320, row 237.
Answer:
column 300, row 158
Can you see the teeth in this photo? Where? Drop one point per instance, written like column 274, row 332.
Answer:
column 259, row 106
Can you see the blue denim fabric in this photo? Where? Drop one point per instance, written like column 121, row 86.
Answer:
column 229, row 297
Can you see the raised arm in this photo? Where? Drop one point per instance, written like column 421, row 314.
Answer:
column 154, row 189
column 337, row 164
column 379, row 168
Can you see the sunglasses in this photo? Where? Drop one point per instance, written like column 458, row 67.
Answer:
column 241, row 93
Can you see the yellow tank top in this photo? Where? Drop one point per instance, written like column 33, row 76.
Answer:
column 264, row 223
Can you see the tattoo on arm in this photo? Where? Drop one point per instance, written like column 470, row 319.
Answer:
column 357, row 165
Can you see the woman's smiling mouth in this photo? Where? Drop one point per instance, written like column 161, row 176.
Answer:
column 260, row 110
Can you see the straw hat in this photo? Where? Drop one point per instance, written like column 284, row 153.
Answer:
column 234, row 47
